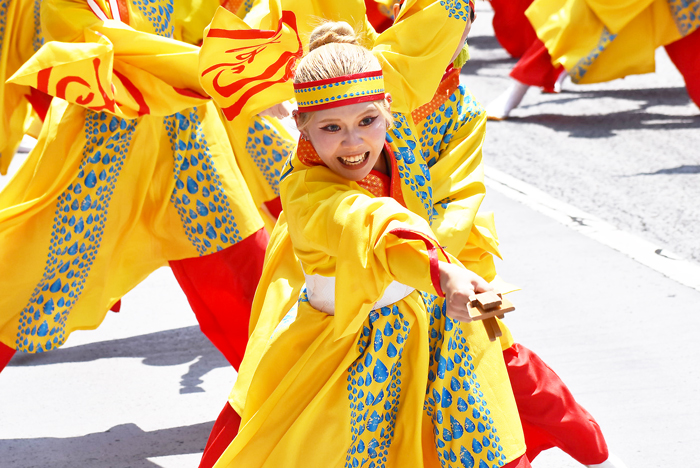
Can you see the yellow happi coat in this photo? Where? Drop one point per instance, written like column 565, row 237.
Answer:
column 599, row 40
column 397, row 385
column 132, row 168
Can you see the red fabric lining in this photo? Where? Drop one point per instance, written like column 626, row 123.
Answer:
column 685, row 56
column 520, row 462
column 535, row 67
column 222, row 434
column 432, row 253
column 6, row 354
column 39, row 100
column 190, row 93
column 380, row 22
column 241, row 34
column 511, row 27
column 274, row 206
column 117, row 306
column 220, row 288
column 550, row 415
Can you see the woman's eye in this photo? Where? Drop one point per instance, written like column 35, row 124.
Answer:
column 367, row 121
column 331, row 128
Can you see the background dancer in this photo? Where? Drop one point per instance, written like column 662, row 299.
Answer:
column 132, row 171
column 596, row 42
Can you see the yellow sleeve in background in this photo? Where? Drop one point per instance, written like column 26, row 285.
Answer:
column 417, row 49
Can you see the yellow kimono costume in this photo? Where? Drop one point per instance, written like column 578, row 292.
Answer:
column 132, row 168
column 599, row 40
column 20, row 37
column 377, row 383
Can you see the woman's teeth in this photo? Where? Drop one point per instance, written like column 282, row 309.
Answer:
column 354, row 160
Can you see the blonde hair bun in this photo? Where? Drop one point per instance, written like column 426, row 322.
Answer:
column 335, row 32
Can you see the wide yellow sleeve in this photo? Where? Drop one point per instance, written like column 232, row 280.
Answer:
column 318, row 11
column 65, row 20
column 616, row 15
column 278, row 290
column 338, row 229
column 417, row 49
column 246, row 70
column 191, row 17
column 105, row 65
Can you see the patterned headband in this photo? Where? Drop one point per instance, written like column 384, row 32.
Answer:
column 341, row 91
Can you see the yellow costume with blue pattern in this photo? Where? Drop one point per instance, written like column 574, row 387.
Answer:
column 452, row 130
column 598, row 40
column 133, row 168
column 392, row 385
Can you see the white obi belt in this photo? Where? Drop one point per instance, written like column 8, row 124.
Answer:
column 321, row 293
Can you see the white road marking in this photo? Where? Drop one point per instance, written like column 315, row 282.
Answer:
column 644, row 252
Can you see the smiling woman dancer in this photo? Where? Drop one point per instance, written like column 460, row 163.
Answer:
column 375, row 368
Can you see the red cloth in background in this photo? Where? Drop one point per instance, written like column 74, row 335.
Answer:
column 274, row 206
column 535, row 68
column 377, row 19
column 685, row 55
column 220, row 288
column 550, row 415
column 520, row 462
column 511, row 27
column 40, row 102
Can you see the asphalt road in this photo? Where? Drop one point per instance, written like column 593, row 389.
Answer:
column 627, row 151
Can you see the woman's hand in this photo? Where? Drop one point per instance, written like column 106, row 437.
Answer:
column 460, row 287
column 281, row 110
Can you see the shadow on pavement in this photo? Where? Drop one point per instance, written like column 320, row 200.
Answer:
column 126, row 445
column 165, row 348
column 684, row 169
column 487, row 42
column 605, row 125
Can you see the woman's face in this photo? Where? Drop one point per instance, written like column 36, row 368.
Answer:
column 349, row 139
column 463, row 39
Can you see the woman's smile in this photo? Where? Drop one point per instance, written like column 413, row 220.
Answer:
column 354, row 160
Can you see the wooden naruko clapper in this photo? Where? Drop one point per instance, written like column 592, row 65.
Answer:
column 486, row 307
